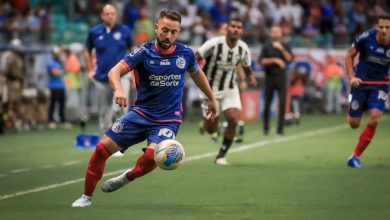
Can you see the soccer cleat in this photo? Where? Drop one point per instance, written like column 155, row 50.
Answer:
column 118, row 154
column 83, row 201
column 354, row 162
column 115, row 183
column 221, row 161
column 238, row 139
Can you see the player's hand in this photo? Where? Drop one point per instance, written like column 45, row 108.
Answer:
column 355, row 82
column 91, row 74
column 243, row 85
column 280, row 62
column 120, row 99
column 211, row 110
column 252, row 80
column 278, row 45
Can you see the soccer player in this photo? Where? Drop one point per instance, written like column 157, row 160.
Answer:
column 107, row 43
column 369, row 82
column 156, row 115
column 222, row 55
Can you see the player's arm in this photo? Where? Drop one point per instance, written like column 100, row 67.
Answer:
column 202, row 83
column 201, row 61
column 349, row 62
column 88, row 60
column 56, row 72
column 249, row 73
column 285, row 52
column 268, row 61
column 241, row 77
column 114, row 77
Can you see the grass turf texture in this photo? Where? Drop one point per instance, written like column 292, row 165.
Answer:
column 302, row 175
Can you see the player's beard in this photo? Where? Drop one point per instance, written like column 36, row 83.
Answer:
column 164, row 44
column 385, row 38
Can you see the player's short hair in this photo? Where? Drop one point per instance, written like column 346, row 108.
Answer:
column 383, row 16
column 234, row 16
column 170, row 14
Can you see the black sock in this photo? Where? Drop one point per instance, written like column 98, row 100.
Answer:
column 241, row 130
column 224, row 148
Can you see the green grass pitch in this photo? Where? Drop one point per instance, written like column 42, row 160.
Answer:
column 302, row 175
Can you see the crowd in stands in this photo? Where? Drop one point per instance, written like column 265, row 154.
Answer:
column 305, row 23
column 320, row 23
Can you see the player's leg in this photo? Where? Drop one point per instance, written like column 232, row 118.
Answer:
column 282, row 94
column 231, row 107
column 155, row 132
column 104, row 101
column 143, row 165
column 356, row 108
column 367, row 134
column 207, row 125
column 240, row 134
column 268, row 95
column 376, row 105
column 232, row 117
column 104, row 149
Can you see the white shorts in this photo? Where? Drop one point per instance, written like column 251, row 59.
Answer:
column 225, row 100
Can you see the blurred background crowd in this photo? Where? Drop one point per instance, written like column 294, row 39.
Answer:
column 319, row 31
column 331, row 23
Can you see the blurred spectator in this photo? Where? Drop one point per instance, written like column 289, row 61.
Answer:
column 131, row 12
column 33, row 26
column 73, row 83
column 55, row 70
column 296, row 91
column 296, row 12
column 12, row 66
column 334, row 81
column 340, row 25
column 327, row 13
column 220, row 11
column 310, row 31
column 143, row 28
column 358, row 20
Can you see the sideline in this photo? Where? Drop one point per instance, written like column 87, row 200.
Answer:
column 196, row 157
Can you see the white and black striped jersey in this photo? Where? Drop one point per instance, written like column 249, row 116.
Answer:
column 221, row 62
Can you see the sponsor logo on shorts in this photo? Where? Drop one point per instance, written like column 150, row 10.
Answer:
column 354, row 105
column 166, row 133
column 117, row 127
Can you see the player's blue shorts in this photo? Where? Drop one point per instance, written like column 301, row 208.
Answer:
column 133, row 128
column 367, row 97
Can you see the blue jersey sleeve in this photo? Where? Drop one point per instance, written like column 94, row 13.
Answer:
column 134, row 57
column 359, row 42
column 193, row 64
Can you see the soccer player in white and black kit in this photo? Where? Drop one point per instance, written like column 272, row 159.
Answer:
column 222, row 55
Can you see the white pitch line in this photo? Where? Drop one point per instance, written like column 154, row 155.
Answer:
column 196, row 157
column 20, row 170
column 69, row 163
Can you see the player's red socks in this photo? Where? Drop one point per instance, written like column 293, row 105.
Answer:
column 365, row 138
column 95, row 168
column 144, row 165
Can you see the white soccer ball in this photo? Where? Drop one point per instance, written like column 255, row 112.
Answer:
column 169, row 154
